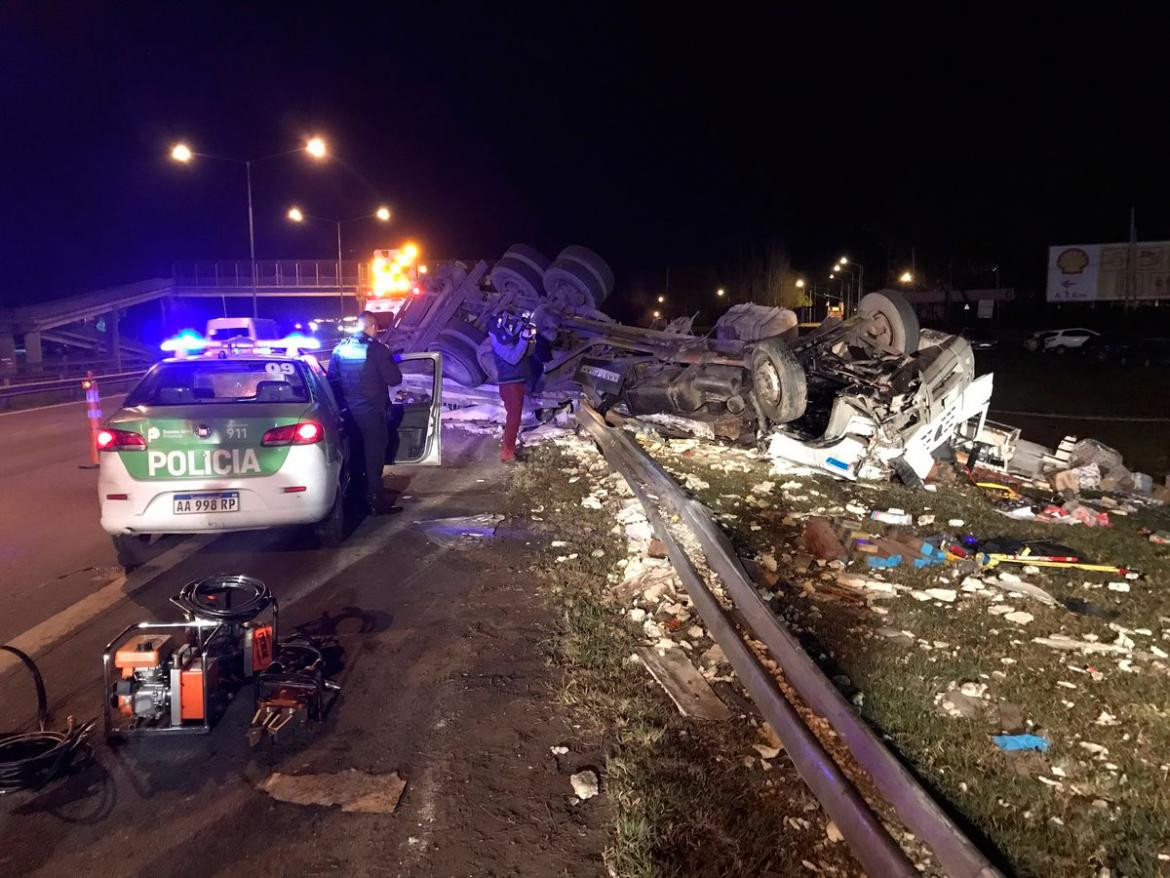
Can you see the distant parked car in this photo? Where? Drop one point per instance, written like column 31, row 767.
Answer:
column 1126, row 350
column 1059, row 340
column 980, row 339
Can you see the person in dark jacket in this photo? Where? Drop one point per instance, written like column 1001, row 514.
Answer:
column 361, row 372
column 512, row 344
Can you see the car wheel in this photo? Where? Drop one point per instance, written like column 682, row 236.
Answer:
column 132, row 550
column 330, row 530
column 460, row 360
column 778, row 381
column 890, row 321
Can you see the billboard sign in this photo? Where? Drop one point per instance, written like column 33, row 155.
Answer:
column 1106, row 273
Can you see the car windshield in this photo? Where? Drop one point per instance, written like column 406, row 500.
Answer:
column 194, row 382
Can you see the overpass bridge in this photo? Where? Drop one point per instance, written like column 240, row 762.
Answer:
column 70, row 320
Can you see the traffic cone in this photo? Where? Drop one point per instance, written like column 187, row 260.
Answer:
column 93, row 412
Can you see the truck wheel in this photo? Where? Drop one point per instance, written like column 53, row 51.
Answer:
column 520, row 271
column 460, row 362
column 778, row 381
column 132, row 550
column 330, row 530
column 578, row 278
column 469, row 331
column 591, row 260
column 487, row 361
column 891, row 321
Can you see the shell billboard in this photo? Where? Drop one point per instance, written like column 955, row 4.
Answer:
column 1109, row 272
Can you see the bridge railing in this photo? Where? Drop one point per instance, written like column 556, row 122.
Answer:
column 274, row 274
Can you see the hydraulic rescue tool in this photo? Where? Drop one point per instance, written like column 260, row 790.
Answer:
column 294, row 685
column 179, row 677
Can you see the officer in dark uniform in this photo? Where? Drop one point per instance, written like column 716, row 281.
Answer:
column 361, row 372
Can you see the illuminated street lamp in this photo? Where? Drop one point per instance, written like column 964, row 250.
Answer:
column 315, row 147
column 906, row 278
column 382, row 214
column 721, row 292
column 657, row 314
column 800, row 283
column 661, row 299
column 183, row 154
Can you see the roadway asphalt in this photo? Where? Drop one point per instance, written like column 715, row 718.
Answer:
column 52, row 550
column 444, row 681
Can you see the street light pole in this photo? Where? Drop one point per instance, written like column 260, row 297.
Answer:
column 382, row 214
column 183, row 154
column 252, row 240
column 340, row 282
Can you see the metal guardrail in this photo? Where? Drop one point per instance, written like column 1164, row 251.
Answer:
column 62, row 390
column 874, row 848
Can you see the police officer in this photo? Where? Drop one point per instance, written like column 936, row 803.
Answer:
column 361, row 372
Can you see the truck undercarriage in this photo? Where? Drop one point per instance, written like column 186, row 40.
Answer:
column 860, row 397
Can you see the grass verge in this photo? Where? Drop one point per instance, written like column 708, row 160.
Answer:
column 688, row 797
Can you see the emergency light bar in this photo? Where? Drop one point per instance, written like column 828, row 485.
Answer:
column 189, row 341
column 186, row 341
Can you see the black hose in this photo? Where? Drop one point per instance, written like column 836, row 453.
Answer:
column 232, row 598
column 30, row 760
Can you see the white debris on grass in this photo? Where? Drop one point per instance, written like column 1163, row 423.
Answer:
column 585, row 784
column 1118, row 586
column 1019, row 617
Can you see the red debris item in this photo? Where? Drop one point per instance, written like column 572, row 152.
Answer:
column 822, row 541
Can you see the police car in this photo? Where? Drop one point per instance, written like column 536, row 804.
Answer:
column 239, row 438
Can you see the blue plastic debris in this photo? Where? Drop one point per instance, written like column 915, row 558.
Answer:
column 1021, row 742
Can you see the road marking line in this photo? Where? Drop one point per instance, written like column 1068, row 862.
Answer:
column 57, row 405
column 56, row 628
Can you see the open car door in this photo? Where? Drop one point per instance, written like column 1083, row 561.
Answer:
column 416, row 422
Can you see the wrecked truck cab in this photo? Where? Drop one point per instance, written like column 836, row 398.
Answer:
column 858, row 398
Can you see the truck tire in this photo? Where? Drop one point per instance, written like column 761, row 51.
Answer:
column 487, row 360
column 891, row 321
column 579, row 278
column 778, row 381
column 469, row 331
column 588, row 258
column 520, row 271
column 460, row 362
column 131, row 550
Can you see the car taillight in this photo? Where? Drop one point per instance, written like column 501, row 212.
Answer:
column 304, row 433
column 120, row 440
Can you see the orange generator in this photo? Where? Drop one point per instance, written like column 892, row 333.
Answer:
column 179, row 677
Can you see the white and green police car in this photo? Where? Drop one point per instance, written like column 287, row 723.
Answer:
column 240, row 439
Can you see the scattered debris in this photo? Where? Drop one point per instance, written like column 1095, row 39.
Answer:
column 687, row 688
column 1021, row 742
column 354, row 791
column 585, row 784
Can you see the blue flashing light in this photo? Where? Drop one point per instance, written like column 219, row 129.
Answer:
column 186, row 341
column 298, row 342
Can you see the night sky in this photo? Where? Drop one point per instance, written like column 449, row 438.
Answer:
column 681, row 136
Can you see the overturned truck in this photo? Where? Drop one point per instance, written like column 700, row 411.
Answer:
column 861, row 397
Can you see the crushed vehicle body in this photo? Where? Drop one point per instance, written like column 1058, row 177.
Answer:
column 863, row 397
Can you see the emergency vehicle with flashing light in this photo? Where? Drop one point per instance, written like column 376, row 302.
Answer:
column 395, row 275
column 230, row 437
